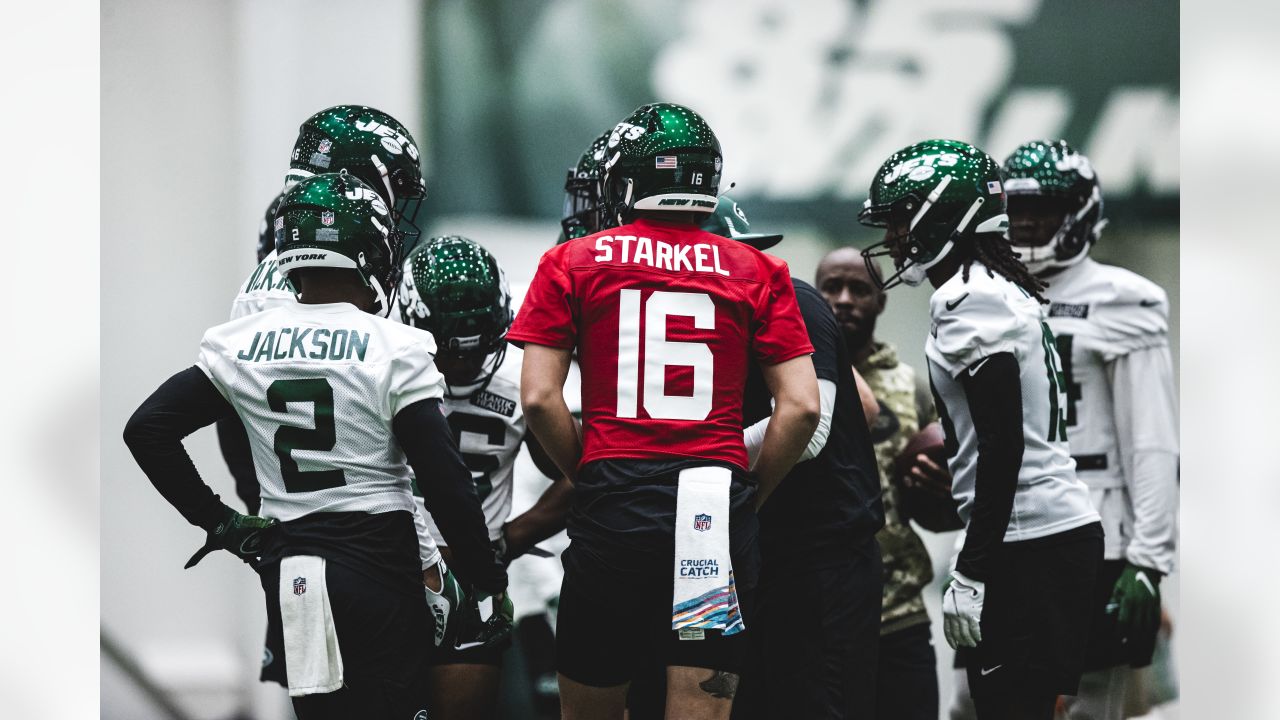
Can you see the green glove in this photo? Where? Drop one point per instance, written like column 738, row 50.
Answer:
column 241, row 535
column 446, row 604
column 1136, row 602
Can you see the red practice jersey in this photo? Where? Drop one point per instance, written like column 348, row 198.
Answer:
column 665, row 318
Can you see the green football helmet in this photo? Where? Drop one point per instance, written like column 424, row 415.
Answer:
column 336, row 221
column 455, row 289
column 1055, row 204
column 663, row 156
column 583, row 211
column 370, row 145
column 267, row 231
column 730, row 220
column 943, row 192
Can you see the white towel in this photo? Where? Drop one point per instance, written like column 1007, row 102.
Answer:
column 704, row 596
column 313, row 662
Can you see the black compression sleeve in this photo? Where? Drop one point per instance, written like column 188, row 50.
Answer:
column 993, row 388
column 234, row 441
column 185, row 403
column 448, row 493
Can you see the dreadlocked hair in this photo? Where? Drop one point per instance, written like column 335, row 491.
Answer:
column 994, row 251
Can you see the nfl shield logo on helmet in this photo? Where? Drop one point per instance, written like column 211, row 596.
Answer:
column 326, row 217
column 702, row 522
column 299, row 585
column 324, row 146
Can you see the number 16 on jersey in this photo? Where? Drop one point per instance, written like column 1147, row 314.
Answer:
column 661, row 353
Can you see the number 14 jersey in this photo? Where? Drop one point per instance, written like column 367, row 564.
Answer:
column 975, row 320
column 665, row 318
column 317, row 387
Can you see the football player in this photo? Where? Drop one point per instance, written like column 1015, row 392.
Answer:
column 1020, row 587
column 232, row 437
column 582, row 207
column 367, row 143
column 665, row 318
column 1111, row 327
column 455, row 289
column 336, row 399
column 816, row 534
column 907, row 680
column 373, row 146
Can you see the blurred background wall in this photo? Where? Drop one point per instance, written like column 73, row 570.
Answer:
column 201, row 101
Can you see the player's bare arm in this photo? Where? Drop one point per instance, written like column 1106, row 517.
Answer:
column 542, row 379
column 870, row 406
column 794, row 386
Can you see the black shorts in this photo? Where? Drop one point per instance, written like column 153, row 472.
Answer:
column 816, row 638
column 1105, row 648
column 615, row 602
column 1037, row 614
column 383, row 635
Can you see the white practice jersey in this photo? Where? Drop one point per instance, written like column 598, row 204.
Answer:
column 317, row 387
column 265, row 289
column 489, row 427
column 1112, row 332
column 979, row 318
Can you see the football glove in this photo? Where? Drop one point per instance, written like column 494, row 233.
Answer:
column 241, row 535
column 444, row 604
column 1135, row 600
column 962, row 610
column 473, row 632
column 498, row 627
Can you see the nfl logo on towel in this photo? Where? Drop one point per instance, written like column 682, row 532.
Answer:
column 299, row 585
column 702, row 523
column 664, row 162
column 326, row 217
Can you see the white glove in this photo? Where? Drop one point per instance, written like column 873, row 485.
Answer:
column 962, row 610
column 444, row 603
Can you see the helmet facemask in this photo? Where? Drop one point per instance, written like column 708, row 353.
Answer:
column 919, row 240
column 1049, row 232
column 582, row 207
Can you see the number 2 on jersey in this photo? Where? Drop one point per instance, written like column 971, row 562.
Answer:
column 661, row 353
column 321, row 436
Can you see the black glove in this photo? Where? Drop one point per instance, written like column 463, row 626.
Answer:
column 241, row 535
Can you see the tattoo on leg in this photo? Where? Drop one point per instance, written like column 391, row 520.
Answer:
column 721, row 684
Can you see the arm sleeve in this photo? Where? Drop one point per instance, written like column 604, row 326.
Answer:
column 546, row 315
column 448, row 493
column 185, row 403
column 753, row 436
column 233, row 440
column 1146, row 413
column 779, row 332
column 994, row 392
